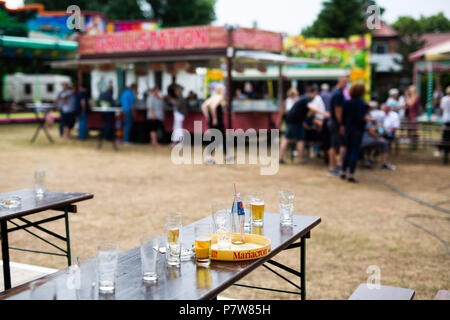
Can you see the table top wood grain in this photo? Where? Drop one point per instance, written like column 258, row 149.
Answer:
column 188, row 281
column 31, row 204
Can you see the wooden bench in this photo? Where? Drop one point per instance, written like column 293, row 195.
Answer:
column 383, row 293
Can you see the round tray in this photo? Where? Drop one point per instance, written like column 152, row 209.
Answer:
column 255, row 247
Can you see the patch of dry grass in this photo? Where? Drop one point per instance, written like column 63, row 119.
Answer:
column 362, row 225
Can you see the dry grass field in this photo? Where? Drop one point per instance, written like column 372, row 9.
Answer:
column 362, row 225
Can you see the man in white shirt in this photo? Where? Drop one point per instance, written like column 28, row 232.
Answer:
column 445, row 106
column 396, row 102
column 391, row 122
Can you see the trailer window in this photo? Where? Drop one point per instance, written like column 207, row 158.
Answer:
column 27, row 88
column 50, row 87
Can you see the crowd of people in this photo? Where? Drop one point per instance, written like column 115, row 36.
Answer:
column 343, row 127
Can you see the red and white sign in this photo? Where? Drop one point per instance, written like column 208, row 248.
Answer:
column 186, row 38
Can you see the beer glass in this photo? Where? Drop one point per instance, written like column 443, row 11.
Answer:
column 172, row 230
column 286, row 206
column 257, row 208
column 149, row 256
column 203, row 244
column 108, row 256
column 222, row 224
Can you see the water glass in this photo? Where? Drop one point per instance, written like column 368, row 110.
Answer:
column 203, row 244
column 86, row 283
column 149, row 256
column 108, row 255
column 286, row 206
column 247, row 199
column 43, row 289
column 257, row 208
column 172, row 229
column 39, row 182
column 222, row 224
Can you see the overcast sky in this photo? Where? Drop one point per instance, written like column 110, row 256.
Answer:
column 291, row 16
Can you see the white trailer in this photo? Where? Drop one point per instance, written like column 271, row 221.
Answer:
column 22, row 88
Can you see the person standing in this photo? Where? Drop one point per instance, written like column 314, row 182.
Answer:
column 292, row 97
column 60, row 101
column 128, row 103
column 325, row 94
column 412, row 107
column 106, row 99
column 155, row 115
column 295, row 131
column 396, row 102
column 82, row 109
column 336, row 128
column 445, row 106
column 213, row 111
column 67, row 109
column 179, row 113
column 354, row 118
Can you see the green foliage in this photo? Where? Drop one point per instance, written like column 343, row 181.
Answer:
column 172, row 13
column 340, row 18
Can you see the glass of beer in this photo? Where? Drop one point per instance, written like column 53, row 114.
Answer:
column 172, row 230
column 203, row 244
column 257, row 208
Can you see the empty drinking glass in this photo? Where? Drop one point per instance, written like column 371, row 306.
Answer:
column 149, row 256
column 222, row 224
column 39, row 182
column 108, row 254
column 86, row 288
column 286, row 205
column 43, row 289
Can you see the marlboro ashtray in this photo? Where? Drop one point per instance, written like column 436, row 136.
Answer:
column 255, row 247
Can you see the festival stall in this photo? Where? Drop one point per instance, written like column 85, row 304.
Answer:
column 187, row 49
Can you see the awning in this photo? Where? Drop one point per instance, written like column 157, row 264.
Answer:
column 272, row 58
column 293, row 73
column 436, row 52
column 35, row 43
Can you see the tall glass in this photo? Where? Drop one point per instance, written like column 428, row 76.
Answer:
column 203, row 244
column 43, row 289
column 172, row 229
column 286, row 206
column 86, row 288
column 222, row 224
column 247, row 199
column 108, row 256
column 149, row 256
column 39, row 182
column 257, row 208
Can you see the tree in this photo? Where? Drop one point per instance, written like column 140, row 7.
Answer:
column 410, row 36
column 175, row 13
column 171, row 13
column 340, row 18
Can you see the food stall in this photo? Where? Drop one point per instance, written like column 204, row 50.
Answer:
column 186, row 49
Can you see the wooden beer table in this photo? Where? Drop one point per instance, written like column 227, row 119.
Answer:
column 190, row 282
column 30, row 204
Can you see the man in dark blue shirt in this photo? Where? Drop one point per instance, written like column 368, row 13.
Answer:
column 336, row 128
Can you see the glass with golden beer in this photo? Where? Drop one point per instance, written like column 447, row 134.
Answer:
column 257, row 208
column 203, row 244
column 172, row 229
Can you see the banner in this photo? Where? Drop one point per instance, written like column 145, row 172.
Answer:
column 352, row 54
